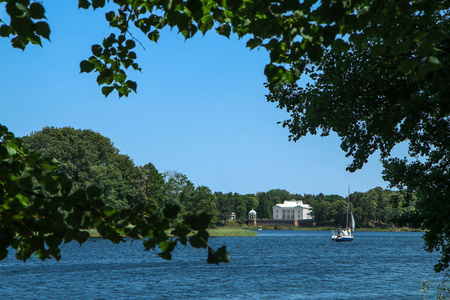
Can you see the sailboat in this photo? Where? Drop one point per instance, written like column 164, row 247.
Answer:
column 345, row 235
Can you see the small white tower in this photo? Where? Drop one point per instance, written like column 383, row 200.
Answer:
column 252, row 217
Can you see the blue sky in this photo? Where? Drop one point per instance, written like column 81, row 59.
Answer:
column 200, row 109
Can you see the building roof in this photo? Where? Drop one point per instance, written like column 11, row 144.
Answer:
column 293, row 204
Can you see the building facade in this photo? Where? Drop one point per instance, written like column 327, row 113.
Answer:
column 292, row 210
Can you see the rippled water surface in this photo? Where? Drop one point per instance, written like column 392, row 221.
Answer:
column 272, row 265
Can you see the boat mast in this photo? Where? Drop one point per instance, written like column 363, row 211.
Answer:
column 348, row 205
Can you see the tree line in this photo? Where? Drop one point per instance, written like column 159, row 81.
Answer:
column 91, row 159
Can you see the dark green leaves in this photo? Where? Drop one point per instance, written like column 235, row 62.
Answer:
column 22, row 28
column 219, row 256
column 171, row 211
column 98, row 3
column 108, row 60
column 153, row 36
column 41, row 211
column 96, row 50
column 199, row 240
column 85, row 4
column 37, row 11
column 86, row 66
column 253, row 43
column 198, row 220
column 340, row 46
column 43, row 30
column 106, row 90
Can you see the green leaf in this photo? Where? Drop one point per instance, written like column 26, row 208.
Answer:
column 130, row 44
column 197, row 241
column 58, row 226
column 165, row 255
column 82, row 236
column 51, row 185
column 195, row 6
column 109, row 211
column 105, row 77
column 181, row 231
column 106, row 90
column 206, row 23
column 432, row 64
column 110, row 16
column 97, row 50
column 19, row 42
column 234, row 5
column 298, row 14
column 171, row 211
column 425, row 48
column 154, row 35
column 53, row 241
column 253, row 43
column 149, row 244
column 315, row 52
column 24, row 200
column 36, row 11
column 86, row 66
column 167, row 246
column 216, row 257
column 34, row 39
column 198, row 220
column 5, row 31
column 340, row 45
column 98, row 3
column 132, row 85
column 273, row 73
column 84, row 4
column 93, row 191
column 10, row 149
column 3, row 254
column 43, row 30
column 407, row 66
column 401, row 47
column 224, row 29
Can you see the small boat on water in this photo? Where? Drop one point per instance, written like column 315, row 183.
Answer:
column 345, row 235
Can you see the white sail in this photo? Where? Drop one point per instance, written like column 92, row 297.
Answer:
column 353, row 222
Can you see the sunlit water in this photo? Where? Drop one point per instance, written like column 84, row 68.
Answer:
column 272, row 265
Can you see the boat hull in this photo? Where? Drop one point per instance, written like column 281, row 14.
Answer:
column 342, row 238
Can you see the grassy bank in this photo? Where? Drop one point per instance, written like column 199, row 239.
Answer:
column 224, row 231
column 251, row 230
column 403, row 229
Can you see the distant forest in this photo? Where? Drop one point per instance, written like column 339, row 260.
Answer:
column 89, row 158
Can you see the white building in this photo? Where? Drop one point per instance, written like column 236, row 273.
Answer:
column 292, row 210
column 252, row 215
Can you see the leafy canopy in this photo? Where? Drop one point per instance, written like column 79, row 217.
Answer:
column 374, row 106
column 39, row 211
column 291, row 31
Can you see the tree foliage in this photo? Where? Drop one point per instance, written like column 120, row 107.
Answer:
column 374, row 106
column 39, row 211
column 291, row 31
column 376, row 208
column 382, row 77
column 89, row 158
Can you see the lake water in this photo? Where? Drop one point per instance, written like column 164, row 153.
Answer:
column 273, row 265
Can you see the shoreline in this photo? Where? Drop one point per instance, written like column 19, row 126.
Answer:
column 252, row 230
